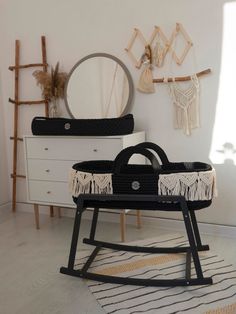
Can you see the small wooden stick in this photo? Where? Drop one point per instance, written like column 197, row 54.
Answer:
column 26, row 102
column 180, row 78
column 24, row 66
column 45, row 67
column 180, row 60
column 18, row 138
column 180, row 29
column 136, row 34
column 132, row 39
column 17, row 176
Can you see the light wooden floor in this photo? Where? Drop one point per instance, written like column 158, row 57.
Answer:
column 30, row 282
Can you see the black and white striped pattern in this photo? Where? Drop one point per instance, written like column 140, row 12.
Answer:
column 127, row 299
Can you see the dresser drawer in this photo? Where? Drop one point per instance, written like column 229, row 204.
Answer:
column 49, row 192
column 51, row 170
column 73, row 149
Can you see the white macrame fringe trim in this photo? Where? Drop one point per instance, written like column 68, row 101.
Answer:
column 194, row 186
column 86, row 182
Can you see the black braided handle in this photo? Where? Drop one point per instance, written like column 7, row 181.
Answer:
column 159, row 151
column 123, row 158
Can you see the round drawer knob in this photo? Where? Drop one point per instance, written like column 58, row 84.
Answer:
column 95, row 150
column 45, row 148
column 47, row 170
column 48, row 192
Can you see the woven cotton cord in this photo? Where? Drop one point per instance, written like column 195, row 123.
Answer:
column 193, row 186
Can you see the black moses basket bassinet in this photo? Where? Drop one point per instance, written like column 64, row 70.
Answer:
column 196, row 181
column 164, row 185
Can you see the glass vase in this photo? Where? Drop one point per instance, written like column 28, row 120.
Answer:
column 54, row 109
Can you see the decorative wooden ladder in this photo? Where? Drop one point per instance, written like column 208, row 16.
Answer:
column 17, row 102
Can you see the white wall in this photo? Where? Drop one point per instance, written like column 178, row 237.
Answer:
column 76, row 28
column 4, row 182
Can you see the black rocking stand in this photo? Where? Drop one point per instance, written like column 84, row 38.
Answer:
column 145, row 202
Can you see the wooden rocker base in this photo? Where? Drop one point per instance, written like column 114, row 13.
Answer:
column 137, row 281
column 195, row 245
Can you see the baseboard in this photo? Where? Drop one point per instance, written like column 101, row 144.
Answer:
column 204, row 228
column 165, row 223
column 5, row 206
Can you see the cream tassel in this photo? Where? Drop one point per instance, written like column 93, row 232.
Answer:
column 72, row 181
column 188, row 183
column 207, row 185
column 215, row 191
column 84, row 182
column 194, row 186
column 102, row 183
column 80, row 182
column 168, row 185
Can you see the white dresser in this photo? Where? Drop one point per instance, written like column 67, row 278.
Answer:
column 50, row 158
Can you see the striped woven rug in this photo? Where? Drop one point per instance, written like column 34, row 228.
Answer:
column 126, row 299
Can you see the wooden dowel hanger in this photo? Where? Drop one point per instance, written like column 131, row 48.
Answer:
column 180, row 78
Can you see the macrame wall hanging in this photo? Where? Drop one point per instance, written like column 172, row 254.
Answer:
column 185, row 99
column 186, row 105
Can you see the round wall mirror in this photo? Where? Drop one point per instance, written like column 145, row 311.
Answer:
column 98, row 86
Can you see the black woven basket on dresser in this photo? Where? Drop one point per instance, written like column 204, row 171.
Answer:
column 90, row 127
column 193, row 180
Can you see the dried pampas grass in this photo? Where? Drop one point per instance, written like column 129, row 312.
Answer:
column 52, row 84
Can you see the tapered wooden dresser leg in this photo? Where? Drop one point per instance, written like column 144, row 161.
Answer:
column 59, row 212
column 36, row 215
column 51, row 211
column 138, row 213
column 122, row 225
